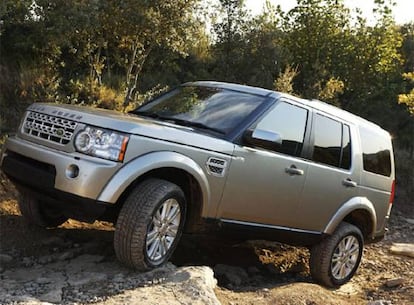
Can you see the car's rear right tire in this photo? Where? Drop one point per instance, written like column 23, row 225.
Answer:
column 334, row 261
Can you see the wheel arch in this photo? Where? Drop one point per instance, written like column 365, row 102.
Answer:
column 358, row 211
column 170, row 166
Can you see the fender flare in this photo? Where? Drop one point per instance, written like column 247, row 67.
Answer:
column 145, row 163
column 356, row 203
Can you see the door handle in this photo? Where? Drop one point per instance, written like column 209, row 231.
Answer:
column 349, row 182
column 293, row 170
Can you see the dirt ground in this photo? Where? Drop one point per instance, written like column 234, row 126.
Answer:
column 276, row 274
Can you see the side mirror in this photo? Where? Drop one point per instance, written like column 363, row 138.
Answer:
column 263, row 138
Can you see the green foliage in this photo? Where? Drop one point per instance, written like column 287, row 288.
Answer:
column 284, row 82
column 318, row 39
column 408, row 98
column 404, row 164
column 229, row 33
column 331, row 90
column 96, row 52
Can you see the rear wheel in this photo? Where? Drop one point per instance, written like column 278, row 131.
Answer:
column 39, row 213
column 150, row 224
column 334, row 261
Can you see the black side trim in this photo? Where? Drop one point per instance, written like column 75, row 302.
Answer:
column 237, row 230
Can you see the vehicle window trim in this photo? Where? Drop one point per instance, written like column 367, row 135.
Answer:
column 316, row 112
column 253, row 124
column 389, row 149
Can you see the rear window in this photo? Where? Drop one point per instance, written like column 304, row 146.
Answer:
column 376, row 152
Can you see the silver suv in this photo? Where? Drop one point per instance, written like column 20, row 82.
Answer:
column 257, row 163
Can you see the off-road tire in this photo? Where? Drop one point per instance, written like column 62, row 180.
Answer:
column 321, row 255
column 38, row 213
column 136, row 218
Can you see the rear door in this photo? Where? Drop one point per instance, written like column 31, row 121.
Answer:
column 331, row 179
column 264, row 185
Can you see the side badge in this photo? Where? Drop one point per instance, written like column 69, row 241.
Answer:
column 216, row 167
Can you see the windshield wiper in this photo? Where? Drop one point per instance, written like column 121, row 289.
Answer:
column 192, row 124
column 146, row 114
column 177, row 121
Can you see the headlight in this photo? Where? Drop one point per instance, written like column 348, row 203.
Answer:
column 102, row 143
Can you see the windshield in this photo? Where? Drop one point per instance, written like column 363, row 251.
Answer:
column 214, row 109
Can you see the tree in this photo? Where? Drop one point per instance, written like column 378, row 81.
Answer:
column 229, row 32
column 408, row 98
column 142, row 26
column 264, row 56
column 317, row 37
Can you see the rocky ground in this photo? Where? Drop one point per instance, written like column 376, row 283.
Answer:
column 76, row 264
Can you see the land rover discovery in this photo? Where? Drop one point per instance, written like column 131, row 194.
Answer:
column 242, row 160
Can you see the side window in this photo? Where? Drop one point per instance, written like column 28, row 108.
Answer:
column 328, row 141
column 289, row 121
column 376, row 154
column 332, row 142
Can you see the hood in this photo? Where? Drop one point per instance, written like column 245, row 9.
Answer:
column 132, row 124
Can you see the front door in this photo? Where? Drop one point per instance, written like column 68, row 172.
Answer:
column 264, row 186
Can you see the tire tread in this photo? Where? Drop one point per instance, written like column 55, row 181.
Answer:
column 320, row 258
column 131, row 226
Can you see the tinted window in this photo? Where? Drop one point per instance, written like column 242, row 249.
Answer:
column 376, row 152
column 346, row 148
column 289, row 122
column 214, row 108
column 328, row 141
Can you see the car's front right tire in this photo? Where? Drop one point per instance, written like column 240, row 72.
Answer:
column 150, row 224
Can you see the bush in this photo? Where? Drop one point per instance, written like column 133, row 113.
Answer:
column 404, row 195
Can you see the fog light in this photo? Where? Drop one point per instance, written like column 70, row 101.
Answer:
column 72, row 171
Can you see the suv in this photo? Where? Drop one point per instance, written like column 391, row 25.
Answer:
column 256, row 163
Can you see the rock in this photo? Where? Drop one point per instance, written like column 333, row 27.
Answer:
column 394, row 282
column 66, row 255
column 410, row 221
column 54, row 296
column 5, row 259
column 380, row 302
column 22, row 275
column 88, row 258
column 46, row 259
column 348, row 289
column 85, row 278
column 252, row 270
column 402, row 249
column 230, row 274
column 196, row 285
column 43, row 280
column 185, row 285
column 53, row 241
column 27, row 261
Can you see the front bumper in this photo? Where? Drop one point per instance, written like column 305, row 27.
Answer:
column 44, row 169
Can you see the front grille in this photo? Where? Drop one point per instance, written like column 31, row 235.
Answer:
column 48, row 127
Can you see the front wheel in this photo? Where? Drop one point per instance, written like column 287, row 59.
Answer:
column 39, row 213
column 150, row 224
column 334, row 261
